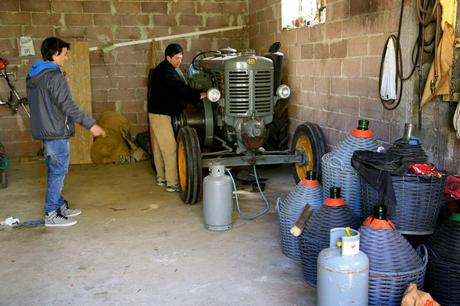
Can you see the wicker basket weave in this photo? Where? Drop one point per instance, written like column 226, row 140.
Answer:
column 289, row 209
column 418, row 202
column 315, row 236
column 393, row 265
column 443, row 281
column 445, row 242
column 337, row 170
column 443, row 271
column 388, row 250
column 388, row 288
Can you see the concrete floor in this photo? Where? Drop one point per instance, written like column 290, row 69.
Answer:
column 137, row 244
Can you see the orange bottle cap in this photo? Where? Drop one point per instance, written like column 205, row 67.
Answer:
column 334, row 202
column 362, row 133
column 379, row 224
column 310, row 183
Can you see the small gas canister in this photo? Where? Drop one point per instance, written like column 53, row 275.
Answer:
column 343, row 271
column 217, row 200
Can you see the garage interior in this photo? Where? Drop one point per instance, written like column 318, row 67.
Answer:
column 136, row 243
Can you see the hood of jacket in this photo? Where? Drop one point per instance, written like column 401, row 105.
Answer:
column 39, row 66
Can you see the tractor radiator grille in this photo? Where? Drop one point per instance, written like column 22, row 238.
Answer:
column 239, row 92
column 263, row 92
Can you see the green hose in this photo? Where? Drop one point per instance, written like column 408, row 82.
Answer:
column 3, row 158
column 3, row 163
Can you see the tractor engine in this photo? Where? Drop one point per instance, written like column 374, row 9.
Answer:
column 243, row 91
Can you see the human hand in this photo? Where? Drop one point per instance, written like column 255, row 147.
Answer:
column 96, row 131
column 203, row 95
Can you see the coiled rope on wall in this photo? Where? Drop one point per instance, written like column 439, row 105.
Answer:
column 428, row 13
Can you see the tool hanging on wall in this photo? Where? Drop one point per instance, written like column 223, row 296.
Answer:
column 391, row 68
column 428, row 12
column 457, row 121
column 438, row 81
column 388, row 83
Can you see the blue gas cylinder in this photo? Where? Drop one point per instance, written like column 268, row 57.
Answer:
column 343, row 271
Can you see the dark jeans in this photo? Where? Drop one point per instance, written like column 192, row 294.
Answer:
column 57, row 160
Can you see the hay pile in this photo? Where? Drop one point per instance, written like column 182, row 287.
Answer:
column 118, row 146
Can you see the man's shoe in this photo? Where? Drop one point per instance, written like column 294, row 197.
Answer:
column 68, row 212
column 161, row 182
column 173, row 188
column 55, row 219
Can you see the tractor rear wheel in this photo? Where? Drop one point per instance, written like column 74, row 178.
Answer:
column 309, row 138
column 189, row 165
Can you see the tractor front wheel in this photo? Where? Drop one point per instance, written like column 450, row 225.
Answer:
column 309, row 139
column 189, row 165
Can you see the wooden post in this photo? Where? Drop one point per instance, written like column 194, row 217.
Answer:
column 79, row 78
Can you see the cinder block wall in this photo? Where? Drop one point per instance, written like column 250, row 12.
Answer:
column 333, row 71
column 118, row 78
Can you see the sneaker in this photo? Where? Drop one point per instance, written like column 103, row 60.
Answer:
column 161, row 182
column 68, row 212
column 56, row 219
column 173, row 188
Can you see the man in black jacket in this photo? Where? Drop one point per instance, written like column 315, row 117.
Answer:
column 52, row 116
column 169, row 95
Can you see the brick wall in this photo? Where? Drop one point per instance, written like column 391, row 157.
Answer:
column 118, row 78
column 333, row 70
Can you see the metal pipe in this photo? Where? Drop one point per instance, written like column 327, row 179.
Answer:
column 233, row 161
column 224, row 143
column 143, row 41
column 408, row 131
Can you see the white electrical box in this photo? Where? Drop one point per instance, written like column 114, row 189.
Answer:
column 26, row 46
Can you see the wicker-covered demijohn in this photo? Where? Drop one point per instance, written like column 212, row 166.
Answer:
column 443, row 271
column 418, row 201
column 307, row 191
column 413, row 201
column 315, row 236
column 393, row 262
column 337, row 169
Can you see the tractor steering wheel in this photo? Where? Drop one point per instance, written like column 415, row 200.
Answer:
column 200, row 55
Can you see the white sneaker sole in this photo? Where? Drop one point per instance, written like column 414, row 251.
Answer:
column 61, row 224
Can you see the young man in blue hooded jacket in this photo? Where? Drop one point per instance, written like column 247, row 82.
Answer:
column 52, row 116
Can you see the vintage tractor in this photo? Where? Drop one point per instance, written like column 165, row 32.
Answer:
column 243, row 121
